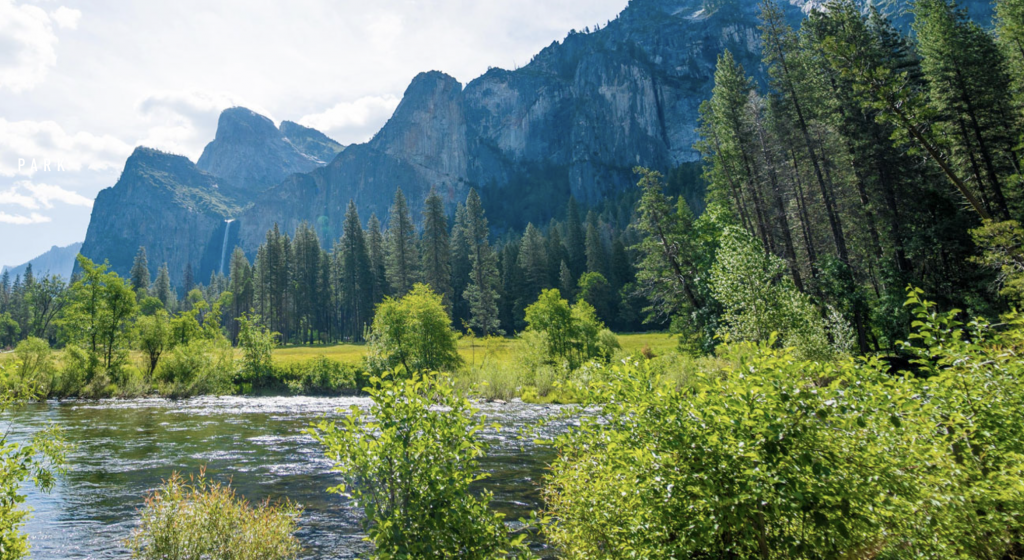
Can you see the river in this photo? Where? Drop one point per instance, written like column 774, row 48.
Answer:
column 124, row 448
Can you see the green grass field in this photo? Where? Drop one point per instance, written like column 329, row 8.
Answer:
column 472, row 350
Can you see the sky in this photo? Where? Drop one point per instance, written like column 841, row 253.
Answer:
column 84, row 82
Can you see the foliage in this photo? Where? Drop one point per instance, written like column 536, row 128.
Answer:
column 98, row 317
column 319, row 376
column 1002, row 244
column 198, row 367
column 772, row 456
column 413, row 332
column 409, row 462
column 257, row 343
column 759, row 299
column 198, row 518
column 41, row 459
column 570, row 331
column 154, row 337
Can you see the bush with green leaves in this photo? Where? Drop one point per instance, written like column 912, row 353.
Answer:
column 409, row 462
column 413, row 332
column 571, row 332
column 42, row 459
column 775, row 456
column 319, row 376
column 257, row 344
column 198, row 518
column 760, row 301
column 199, row 367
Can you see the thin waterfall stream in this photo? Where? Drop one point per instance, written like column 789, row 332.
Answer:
column 224, row 246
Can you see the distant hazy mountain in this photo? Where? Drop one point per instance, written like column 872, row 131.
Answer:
column 58, row 260
column 572, row 122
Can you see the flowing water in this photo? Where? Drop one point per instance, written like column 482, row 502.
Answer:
column 125, row 448
column 224, row 244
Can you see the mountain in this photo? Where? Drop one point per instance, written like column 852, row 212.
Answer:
column 179, row 210
column 254, row 154
column 572, row 122
column 57, row 261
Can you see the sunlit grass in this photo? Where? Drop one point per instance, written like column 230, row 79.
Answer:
column 474, row 351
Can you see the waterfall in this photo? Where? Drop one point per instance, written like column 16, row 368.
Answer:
column 224, row 247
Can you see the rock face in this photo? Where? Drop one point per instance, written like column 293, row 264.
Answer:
column 165, row 203
column 572, row 122
column 251, row 152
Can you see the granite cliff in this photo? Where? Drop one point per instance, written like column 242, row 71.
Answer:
column 572, row 122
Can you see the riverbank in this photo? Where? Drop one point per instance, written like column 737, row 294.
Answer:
column 494, row 368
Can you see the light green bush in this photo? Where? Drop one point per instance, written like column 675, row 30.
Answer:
column 200, row 519
column 200, row 367
column 774, row 456
column 409, row 462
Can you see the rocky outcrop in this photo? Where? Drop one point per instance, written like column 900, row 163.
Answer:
column 166, row 204
column 572, row 122
column 254, row 154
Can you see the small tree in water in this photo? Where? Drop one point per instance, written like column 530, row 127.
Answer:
column 409, row 462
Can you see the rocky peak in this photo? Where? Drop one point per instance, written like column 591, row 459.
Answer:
column 249, row 151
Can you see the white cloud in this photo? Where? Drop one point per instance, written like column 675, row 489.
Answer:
column 353, row 121
column 66, row 18
column 48, row 194
column 182, row 122
column 20, row 219
column 34, row 196
column 384, row 30
column 12, row 196
column 27, row 46
column 25, row 142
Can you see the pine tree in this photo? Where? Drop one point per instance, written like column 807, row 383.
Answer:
column 5, row 290
column 621, row 270
column 162, row 289
column 188, row 279
column 556, row 252
column 241, row 287
column 375, row 245
column 533, row 261
column 511, row 302
column 400, row 248
column 596, row 260
column 481, row 293
column 566, row 284
column 305, row 281
column 970, row 92
column 575, row 243
column 354, row 276
column 140, row 274
column 461, row 266
column 435, row 249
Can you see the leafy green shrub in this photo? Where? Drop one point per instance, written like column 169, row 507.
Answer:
column 570, row 332
column 409, row 462
column 40, row 460
column 319, row 376
column 32, row 370
column 189, row 520
column 413, row 332
column 773, row 456
column 760, row 300
column 202, row 366
column 257, row 344
column 70, row 379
